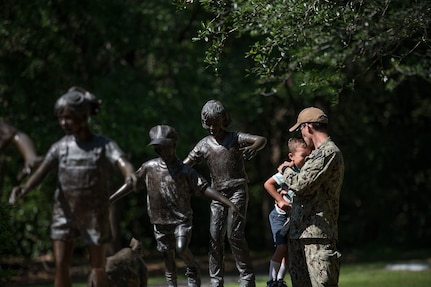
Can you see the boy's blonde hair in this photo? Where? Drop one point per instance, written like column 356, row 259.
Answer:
column 294, row 143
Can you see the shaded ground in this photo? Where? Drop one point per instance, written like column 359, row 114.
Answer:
column 41, row 270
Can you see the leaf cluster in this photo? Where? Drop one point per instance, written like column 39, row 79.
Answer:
column 323, row 45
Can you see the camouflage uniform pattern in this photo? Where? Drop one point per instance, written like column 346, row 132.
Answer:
column 313, row 227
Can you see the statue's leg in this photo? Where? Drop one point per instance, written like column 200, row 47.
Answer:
column 98, row 276
column 237, row 240
column 63, row 250
column 193, row 272
column 170, row 268
column 183, row 234
column 216, row 243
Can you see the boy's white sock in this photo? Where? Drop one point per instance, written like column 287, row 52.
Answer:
column 282, row 272
column 274, row 268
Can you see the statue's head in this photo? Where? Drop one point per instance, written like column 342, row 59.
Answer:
column 79, row 101
column 163, row 135
column 212, row 110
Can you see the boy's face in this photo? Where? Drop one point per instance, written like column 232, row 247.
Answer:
column 299, row 155
column 166, row 152
column 215, row 126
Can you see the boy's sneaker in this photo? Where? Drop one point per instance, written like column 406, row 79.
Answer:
column 280, row 283
column 271, row 283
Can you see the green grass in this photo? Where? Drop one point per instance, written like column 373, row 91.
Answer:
column 375, row 275
column 352, row 275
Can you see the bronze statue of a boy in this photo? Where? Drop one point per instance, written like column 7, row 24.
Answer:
column 170, row 184
column 225, row 152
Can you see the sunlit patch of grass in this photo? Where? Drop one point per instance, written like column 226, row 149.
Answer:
column 376, row 275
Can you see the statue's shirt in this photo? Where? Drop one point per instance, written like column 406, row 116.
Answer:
column 224, row 159
column 169, row 190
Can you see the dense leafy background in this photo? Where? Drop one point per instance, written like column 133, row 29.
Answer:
column 366, row 63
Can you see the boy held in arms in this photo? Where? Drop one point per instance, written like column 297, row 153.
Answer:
column 279, row 216
column 170, row 185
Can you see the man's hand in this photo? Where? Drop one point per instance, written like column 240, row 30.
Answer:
column 284, row 165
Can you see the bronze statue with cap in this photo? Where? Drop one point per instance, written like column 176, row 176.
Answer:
column 169, row 185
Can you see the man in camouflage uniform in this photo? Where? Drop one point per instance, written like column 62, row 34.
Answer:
column 313, row 229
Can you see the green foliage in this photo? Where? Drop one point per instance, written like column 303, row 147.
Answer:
column 386, row 164
column 137, row 58
column 323, row 45
column 367, row 63
column 6, row 237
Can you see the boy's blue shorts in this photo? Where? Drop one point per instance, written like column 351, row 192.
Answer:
column 277, row 220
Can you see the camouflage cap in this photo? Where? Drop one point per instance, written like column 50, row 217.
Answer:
column 163, row 135
column 310, row 115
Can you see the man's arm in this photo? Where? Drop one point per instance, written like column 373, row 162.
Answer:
column 312, row 174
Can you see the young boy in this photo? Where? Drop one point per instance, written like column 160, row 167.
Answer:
column 170, row 185
column 225, row 152
column 279, row 216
